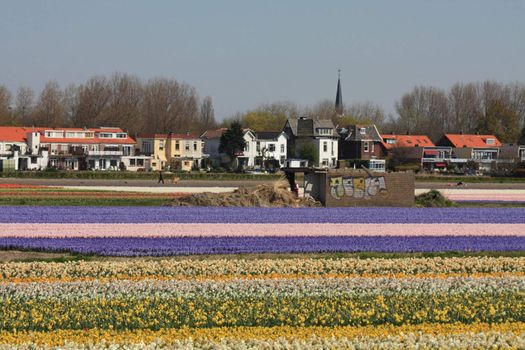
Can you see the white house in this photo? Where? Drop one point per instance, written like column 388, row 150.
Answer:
column 316, row 139
column 260, row 147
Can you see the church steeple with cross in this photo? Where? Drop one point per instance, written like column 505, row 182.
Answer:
column 339, row 96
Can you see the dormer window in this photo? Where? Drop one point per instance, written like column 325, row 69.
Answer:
column 324, row 131
column 490, row 141
column 391, row 141
column 362, row 131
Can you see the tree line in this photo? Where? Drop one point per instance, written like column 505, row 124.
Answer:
column 485, row 108
column 157, row 105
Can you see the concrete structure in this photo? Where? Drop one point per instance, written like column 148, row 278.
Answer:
column 359, row 188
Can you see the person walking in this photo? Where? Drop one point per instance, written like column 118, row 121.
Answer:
column 161, row 178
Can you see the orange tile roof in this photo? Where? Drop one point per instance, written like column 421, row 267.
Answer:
column 19, row 134
column 16, row 133
column 406, row 141
column 474, row 141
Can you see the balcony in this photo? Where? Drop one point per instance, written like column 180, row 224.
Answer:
column 105, row 153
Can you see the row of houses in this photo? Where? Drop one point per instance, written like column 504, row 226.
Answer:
column 104, row 148
column 303, row 142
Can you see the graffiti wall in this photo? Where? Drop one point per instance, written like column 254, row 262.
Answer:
column 359, row 188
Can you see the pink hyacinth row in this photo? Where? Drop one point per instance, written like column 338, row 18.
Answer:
column 49, row 230
column 487, row 197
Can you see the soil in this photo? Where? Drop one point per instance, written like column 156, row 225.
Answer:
column 17, row 255
column 265, row 195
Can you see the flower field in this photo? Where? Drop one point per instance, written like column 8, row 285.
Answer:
column 177, row 284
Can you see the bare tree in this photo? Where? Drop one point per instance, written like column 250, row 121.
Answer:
column 25, row 105
column 92, row 99
column 169, row 106
column 425, row 110
column 123, row 108
column 465, row 107
column 367, row 112
column 324, row 109
column 50, row 110
column 207, row 115
column 6, row 110
column 71, row 103
column 286, row 108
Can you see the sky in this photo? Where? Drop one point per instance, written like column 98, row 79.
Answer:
column 244, row 53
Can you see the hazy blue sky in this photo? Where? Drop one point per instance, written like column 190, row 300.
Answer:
column 244, row 53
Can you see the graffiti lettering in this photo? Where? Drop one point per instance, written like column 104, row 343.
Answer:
column 357, row 187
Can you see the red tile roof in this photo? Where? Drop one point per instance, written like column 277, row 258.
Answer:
column 406, row 141
column 474, row 141
column 211, row 134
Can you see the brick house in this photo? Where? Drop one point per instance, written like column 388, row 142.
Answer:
column 416, row 149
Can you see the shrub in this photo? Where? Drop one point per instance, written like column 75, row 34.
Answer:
column 433, row 199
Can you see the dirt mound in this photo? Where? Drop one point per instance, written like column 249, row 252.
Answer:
column 276, row 195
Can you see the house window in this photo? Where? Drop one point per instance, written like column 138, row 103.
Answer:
column 362, row 131
column 324, row 162
column 365, row 146
column 373, row 147
column 147, row 147
column 140, row 162
column 177, row 146
column 247, row 147
column 161, row 145
column 258, row 146
column 271, row 147
column 325, row 146
column 113, row 162
column 282, row 148
column 332, row 150
column 282, row 160
column 33, row 160
column 187, row 146
column 195, row 145
column 186, row 163
column 132, row 162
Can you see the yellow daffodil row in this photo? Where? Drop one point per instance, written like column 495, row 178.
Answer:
column 477, row 335
column 160, row 312
column 245, row 268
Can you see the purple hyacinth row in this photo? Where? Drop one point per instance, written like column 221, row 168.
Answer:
column 27, row 214
column 233, row 245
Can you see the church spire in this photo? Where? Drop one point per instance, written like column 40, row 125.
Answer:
column 339, row 96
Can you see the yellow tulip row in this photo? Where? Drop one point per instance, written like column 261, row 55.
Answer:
column 170, row 336
column 245, row 268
